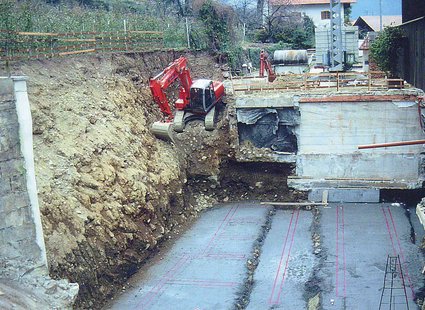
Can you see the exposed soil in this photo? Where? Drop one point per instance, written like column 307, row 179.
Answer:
column 109, row 191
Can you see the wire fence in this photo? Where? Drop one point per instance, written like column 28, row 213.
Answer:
column 35, row 45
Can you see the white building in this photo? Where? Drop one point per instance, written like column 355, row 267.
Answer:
column 317, row 10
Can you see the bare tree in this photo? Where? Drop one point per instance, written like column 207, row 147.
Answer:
column 246, row 11
column 260, row 11
column 278, row 12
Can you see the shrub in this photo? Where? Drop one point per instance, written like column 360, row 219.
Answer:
column 384, row 50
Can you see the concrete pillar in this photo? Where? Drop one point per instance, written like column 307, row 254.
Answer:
column 25, row 136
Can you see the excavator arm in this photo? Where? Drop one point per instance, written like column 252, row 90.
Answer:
column 265, row 65
column 176, row 70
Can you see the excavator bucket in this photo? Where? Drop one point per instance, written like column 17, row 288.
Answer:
column 163, row 131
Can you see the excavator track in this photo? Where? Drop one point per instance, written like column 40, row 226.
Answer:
column 210, row 119
column 179, row 124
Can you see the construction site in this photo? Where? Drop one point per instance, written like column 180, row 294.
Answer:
column 163, row 179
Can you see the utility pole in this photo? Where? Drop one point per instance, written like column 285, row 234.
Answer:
column 380, row 15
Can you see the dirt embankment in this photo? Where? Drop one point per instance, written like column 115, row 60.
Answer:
column 109, row 191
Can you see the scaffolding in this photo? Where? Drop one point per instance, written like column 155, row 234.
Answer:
column 336, row 52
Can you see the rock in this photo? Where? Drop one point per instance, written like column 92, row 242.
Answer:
column 314, row 303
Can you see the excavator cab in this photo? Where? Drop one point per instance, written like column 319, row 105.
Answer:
column 202, row 96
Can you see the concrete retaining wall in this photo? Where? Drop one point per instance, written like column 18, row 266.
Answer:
column 329, row 134
column 21, row 233
column 331, row 127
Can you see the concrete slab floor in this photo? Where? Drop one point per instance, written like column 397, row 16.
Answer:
column 257, row 257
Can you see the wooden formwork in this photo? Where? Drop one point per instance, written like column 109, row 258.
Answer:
column 373, row 80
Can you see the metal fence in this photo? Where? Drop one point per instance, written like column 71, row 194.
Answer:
column 33, row 45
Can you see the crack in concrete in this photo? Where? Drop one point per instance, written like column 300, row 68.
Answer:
column 409, row 219
column 252, row 263
column 313, row 286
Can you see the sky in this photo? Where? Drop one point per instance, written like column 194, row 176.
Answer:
column 371, row 7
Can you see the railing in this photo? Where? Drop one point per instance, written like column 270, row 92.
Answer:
column 33, row 45
column 374, row 80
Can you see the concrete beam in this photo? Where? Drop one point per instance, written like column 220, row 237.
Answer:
column 361, row 195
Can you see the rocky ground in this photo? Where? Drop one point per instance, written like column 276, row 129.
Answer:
column 109, row 191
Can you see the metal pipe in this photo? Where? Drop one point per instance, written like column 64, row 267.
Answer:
column 390, row 144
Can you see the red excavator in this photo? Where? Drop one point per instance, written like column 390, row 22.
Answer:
column 197, row 99
column 266, row 65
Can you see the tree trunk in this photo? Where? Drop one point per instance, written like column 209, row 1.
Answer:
column 188, row 7
column 260, row 11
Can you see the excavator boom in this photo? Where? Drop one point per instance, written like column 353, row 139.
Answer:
column 176, row 70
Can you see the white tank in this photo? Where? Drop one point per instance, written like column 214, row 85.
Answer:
column 290, row 57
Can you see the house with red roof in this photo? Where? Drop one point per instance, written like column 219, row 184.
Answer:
column 317, row 10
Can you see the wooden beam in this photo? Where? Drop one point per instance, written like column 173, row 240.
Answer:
column 359, row 98
column 77, row 40
column 77, row 52
column 50, row 34
column 295, row 204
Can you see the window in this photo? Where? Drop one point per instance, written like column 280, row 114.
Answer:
column 326, row 15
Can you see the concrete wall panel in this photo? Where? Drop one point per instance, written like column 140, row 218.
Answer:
column 329, row 134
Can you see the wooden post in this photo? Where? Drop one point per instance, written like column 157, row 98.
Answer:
column 337, row 81
column 369, row 80
column 187, row 34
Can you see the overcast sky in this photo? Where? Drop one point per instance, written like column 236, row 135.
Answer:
column 371, row 7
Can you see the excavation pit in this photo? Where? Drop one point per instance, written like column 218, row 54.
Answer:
column 251, row 256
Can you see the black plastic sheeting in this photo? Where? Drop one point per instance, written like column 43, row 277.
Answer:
column 269, row 128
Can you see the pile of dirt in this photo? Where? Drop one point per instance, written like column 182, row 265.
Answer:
column 109, row 191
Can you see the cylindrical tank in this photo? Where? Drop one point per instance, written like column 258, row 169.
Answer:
column 290, row 57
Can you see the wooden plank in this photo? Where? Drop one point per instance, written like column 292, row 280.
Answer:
column 77, row 52
column 146, row 32
column 325, row 196
column 355, row 179
column 45, row 34
column 359, row 98
column 295, row 204
column 77, row 40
